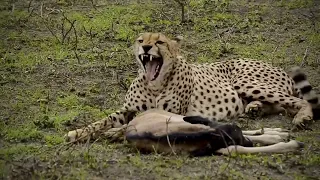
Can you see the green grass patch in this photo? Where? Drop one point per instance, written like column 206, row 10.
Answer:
column 24, row 133
column 18, row 151
column 52, row 140
column 295, row 4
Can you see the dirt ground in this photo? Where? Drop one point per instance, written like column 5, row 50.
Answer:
column 66, row 63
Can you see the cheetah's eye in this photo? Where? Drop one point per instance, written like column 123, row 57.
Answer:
column 159, row 42
column 140, row 41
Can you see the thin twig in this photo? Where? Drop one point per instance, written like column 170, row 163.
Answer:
column 307, row 151
column 41, row 9
column 29, row 5
column 76, row 43
column 76, row 36
column 162, row 13
column 68, row 144
column 77, row 56
column 53, row 34
column 90, row 35
column 53, row 10
column 64, row 35
column 221, row 132
column 121, row 82
column 30, row 14
column 304, row 58
column 93, row 5
column 88, row 142
column 13, row 8
column 89, row 147
column 167, row 128
column 182, row 10
column 272, row 53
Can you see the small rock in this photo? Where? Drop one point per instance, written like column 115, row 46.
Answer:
column 112, row 161
column 81, row 94
column 43, row 101
column 72, row 89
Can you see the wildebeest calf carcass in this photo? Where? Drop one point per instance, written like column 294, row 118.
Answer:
column 164, row 132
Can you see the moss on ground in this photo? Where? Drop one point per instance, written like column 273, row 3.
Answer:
column 66, row 63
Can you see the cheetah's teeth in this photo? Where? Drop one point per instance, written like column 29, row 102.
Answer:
column 150, row 57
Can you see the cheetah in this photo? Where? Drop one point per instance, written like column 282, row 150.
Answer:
column 216, row 91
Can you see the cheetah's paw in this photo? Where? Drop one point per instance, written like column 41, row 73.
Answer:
column 253, row 108
column 72, row 136
column 302, row 120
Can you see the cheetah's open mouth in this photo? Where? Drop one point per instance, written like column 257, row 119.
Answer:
column 152, row 65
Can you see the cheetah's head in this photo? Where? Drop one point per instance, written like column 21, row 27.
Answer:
column 156, row 54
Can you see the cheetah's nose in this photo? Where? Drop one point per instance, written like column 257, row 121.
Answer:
column 146, row 48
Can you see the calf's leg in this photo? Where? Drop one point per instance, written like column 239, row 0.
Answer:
column 281, row 147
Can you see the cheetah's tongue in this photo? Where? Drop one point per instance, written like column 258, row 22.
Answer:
column 152, row 67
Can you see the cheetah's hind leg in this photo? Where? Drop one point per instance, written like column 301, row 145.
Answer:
column 276, row 98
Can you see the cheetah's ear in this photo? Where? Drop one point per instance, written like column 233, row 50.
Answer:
column 178, row 40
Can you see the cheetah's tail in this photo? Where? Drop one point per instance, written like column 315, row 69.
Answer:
column 306, row 90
